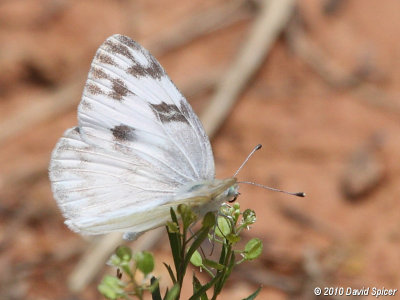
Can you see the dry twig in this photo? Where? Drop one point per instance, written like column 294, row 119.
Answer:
column 199, row 25
column 270, row 22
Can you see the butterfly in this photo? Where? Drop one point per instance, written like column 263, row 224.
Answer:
column 138, row 149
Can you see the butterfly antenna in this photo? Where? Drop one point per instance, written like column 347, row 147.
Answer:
column 258, row 147
column 299, row 194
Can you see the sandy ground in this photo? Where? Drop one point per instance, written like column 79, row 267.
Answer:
column 327, row 115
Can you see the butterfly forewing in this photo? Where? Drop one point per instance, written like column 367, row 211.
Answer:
column 130, row 104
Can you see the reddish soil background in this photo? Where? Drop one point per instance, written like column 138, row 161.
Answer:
column 327, row 115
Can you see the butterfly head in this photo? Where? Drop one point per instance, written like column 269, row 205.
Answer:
column 227, row 190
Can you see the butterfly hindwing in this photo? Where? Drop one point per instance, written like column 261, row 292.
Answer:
column 93, row 186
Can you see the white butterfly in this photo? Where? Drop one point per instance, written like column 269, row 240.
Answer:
column 139, row 149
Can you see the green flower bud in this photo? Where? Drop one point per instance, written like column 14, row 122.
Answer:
column 172, row 227
column 249, row 216
column 114, row 261
column 233, row 238
column 124, row 253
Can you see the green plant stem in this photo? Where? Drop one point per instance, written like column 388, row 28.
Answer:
column 208, row 271
column 220, row 283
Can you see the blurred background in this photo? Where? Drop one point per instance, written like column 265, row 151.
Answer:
column 316, row 82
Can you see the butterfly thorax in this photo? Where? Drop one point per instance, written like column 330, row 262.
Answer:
column 205, row 196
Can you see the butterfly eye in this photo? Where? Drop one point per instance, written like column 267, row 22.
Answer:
column 234, row 198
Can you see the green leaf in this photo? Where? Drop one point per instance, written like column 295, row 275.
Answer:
column 124, row 253
column 254, row 295
column 144, row 261
column 173, row 215
column 204, row 288
column 187, row 215
column 213, row 264
column 196, row 283
column 175, row 242
column 253, row 249
column 155, row 289
column 173, row 293
column 196, row 259
column 223, row 227
column 171, row 273
column 209, row 220
column 200, row 237
column 223, row 253
column 107, row 291
column 197, row 286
